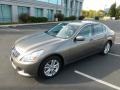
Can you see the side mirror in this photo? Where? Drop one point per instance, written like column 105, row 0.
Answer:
column 79, row 38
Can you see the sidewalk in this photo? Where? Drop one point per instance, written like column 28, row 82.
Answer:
column 14, row 25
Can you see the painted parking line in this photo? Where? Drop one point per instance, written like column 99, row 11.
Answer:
column 117, row 43
column 117, row 37
column 98, row 80
column 117, row 33
column 113, row 54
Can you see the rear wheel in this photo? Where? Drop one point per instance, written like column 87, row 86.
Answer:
column 107, row 48
column 50, row 67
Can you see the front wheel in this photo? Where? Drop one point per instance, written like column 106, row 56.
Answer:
column 107, row 48
column 49, row 67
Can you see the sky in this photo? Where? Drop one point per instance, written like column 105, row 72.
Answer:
column 98, row 4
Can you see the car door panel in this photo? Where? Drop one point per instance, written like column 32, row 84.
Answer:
column 98, row 37
column 81, row 49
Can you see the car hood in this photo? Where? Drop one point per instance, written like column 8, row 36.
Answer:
column 34, row 41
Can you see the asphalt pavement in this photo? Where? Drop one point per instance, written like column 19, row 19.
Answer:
column 96, row 72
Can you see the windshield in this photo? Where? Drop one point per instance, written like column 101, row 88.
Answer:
column 63, row 30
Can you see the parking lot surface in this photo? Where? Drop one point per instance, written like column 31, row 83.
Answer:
column 96, row 72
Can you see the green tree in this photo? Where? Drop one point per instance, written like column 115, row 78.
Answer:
column 85, row 13
column 112, row 11
column 118, row 12
column 92, row 13
column 101, row 13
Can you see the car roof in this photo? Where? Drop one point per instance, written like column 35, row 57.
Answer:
column 83, row 22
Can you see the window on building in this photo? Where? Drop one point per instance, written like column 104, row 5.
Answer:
column 52, row 1
column 50, row 14
column 23, row 10
column 5, row 13
column 58, row 11
column 38, row 12
column 65, row 8
column 80, row 3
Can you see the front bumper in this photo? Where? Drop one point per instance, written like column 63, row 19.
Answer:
column 25, row 70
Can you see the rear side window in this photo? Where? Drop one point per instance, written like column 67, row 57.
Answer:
column 104, row 28
column 86, row 31
column 98, row 29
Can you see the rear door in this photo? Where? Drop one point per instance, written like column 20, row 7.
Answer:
column 98, row 36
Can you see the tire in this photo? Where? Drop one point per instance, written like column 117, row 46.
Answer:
column 106, row 48
column 50, row 67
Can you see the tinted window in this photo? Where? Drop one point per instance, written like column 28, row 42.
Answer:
column 98, row 29
column 86, row 31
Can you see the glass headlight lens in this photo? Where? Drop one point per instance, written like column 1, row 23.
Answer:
column 32, row 57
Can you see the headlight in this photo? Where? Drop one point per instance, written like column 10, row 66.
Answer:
column 32, row 57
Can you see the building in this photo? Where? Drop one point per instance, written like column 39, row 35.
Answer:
column 11, row 9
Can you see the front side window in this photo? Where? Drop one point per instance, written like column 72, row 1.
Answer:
column 86, row 31
column 63, row 30
column 98, row 29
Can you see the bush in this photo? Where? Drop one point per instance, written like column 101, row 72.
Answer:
column 59, row 16
column 33, row 19
column 66, row 19
column 43, row 19
column 81, row 17
column 96, row 18
column 70, row 18
column 24, row 18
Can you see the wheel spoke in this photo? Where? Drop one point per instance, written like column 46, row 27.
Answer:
column 53, row 62
column 48, row 72
column 56, row 66
column 47, row 66
column 53, row 72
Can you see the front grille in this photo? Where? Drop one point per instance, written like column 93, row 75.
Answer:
column 15, row 53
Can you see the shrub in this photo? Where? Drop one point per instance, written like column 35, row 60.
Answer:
column 33, row 19
column 96, row 18
column 59, row 16
column 44, row 19
column 66, row 19
column 24, row 18
column 70, row 18
column 37, row 19
column 81, row 17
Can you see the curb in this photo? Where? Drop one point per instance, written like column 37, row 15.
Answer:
column 15, row 25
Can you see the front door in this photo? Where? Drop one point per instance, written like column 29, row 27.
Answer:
column 82, row 48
